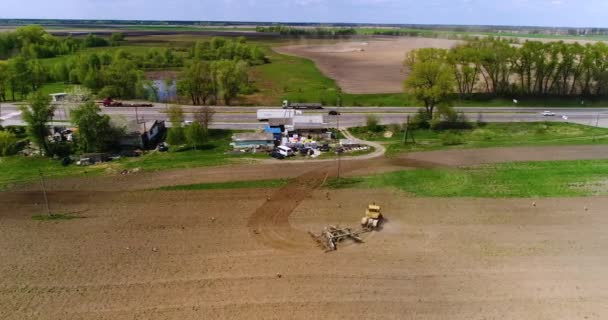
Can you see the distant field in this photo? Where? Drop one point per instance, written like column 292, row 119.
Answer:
column 301, row 80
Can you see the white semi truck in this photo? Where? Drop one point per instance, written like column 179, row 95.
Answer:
column 267, row 114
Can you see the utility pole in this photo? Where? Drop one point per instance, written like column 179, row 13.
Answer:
column 46, row 199
column 339, row 153
column 407, row 132
column 597, row 123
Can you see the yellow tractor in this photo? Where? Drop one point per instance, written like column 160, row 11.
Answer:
column 373, row 217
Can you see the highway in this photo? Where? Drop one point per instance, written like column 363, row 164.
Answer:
column 244, row 117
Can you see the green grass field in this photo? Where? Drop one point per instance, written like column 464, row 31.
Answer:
column 19, row 169
column 271, row 184
column 212, row 154
column 492, row 135
column 519, row 179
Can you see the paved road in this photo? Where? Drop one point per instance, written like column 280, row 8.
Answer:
column 240, row 117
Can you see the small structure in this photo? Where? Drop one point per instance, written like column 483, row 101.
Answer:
column 263, row 140
column 146, row 135
column 58, row 97
column 277, row 132
column 153, row 133
column 309, row 124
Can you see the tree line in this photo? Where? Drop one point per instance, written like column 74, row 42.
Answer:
column 307, row 32
column 118, row 75
column 500, row 68
column 34, row 42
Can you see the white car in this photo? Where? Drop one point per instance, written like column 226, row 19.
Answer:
column 548, row 114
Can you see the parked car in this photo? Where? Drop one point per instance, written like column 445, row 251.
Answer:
column 548, row 113
column 324, row 148
column 285, row 151
column 162, row 147
column 277, row 155
column 307, row 151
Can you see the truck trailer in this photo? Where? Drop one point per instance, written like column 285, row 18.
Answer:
column 307, row 106
column 267, row 114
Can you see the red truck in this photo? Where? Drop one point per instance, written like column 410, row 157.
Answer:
column 109, row 102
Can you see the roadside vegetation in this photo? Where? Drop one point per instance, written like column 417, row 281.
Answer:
column 506, row 180
column 481, row 135
column 215, row 152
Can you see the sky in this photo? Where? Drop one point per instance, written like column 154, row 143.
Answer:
column 572, row 13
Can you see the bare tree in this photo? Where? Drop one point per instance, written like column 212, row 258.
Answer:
column 204, row 116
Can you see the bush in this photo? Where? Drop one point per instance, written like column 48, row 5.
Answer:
column 8, row 143
column 451, row 139
column 176, row 136
column 421, row 120
column 453, row 121
column 372, row 123
column 61, row 149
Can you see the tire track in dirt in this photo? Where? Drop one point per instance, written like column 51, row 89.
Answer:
column 270, row 222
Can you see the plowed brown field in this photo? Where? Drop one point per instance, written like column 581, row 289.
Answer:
column 245, row 254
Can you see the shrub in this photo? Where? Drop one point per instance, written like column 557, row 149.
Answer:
column 421, row 120
column 8, row 143
column 372, row 123
column 541, row 129
column 451, row 138
column 451, row 121
column 176, row 136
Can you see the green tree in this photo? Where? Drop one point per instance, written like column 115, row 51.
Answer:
column 123, row 76
column 95, row 133
column 8, row 143
column 38, row 74
column 4, row 79
column 37, row 115
column 18, row 76
column 204, row 116
column 372, row 123
column 230, row 77
column 176, row 115
column 195, row 135
column 116, row 38
column 431, row 79
column 197, row 82
column 176, row 135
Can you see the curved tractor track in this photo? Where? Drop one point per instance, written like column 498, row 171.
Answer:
column 270, row 222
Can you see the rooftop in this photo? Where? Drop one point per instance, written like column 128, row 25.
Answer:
column 261, row 136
